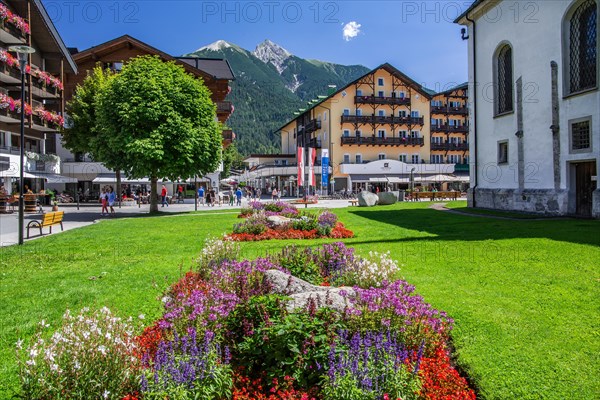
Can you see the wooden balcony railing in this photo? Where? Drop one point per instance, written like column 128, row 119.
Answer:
column 449, row 146
column 382, row 100
column 449, row 128
column 382, row 120
column 382, row 141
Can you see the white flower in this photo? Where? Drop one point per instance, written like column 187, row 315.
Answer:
column 141, row 316
column 20, row 344
column 102, row 350
column 33, row 353
column 77, row 365
column 30, row 362
column 108, row 335
column 105, row 394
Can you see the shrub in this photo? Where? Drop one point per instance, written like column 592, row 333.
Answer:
column 91, row 355
column 187, row 368
column 369, row 366
column 395, row 306
column 333, row 259
column 326, row 222
column 370, row 271
column 300, row 262
column 254, row 225
column 306, row 222
column 215, row 251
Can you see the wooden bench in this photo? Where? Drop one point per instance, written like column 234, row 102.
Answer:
column 353, row 202
column 48, row 220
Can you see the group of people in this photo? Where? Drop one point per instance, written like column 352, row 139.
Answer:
column 107, row 199
column 211, row 197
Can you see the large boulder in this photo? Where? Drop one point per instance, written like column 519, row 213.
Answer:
column 278, row 220
column 367, row 199
column 302, row 292
column 386, row 198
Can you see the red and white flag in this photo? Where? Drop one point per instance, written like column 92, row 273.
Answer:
column 300, row 166
column 312, row 156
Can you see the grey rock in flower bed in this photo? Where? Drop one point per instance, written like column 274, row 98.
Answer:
column 278, row 220
column 386, row 198
column 301, row 292
column 367, row 199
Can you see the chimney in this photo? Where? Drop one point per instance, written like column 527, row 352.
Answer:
column 331, row 90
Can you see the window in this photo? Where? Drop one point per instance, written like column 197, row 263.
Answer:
column 346, row 132
column 437, row 121
column 503, row 152
column 381, row 113
column 380, row 82
column 381, row 133
column 284, row 162
column 359, row 92
column 436, row 139
column 325, row 116
column 580, row 135
column 582, row 42
column 381, row 156
column 402, row 113
column 414, row 114
column 346, row 158
column 414, row 159
column 402, row 134
column 402, row 158
column 381, row 93
column 358, row 112
column 358, row 159
column 415, row 134
column 357, row 133
column 504, row 80
column 402, row 95
column 346, row 111
column 437, row 159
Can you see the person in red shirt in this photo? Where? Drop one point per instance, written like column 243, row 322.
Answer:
column 164, row 193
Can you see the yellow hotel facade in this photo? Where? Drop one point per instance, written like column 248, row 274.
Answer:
column 380, row 130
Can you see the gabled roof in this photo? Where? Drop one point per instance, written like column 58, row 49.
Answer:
column 128, row 41
column 471, row 8
column 219, row 68
column 462, row 86
column 428, row 93
column 44, row 33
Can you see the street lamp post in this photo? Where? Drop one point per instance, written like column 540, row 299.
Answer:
column 23, row 54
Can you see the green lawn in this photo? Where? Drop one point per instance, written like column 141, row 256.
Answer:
column 524, row 293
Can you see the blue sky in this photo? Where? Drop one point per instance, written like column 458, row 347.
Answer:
column 418, row 37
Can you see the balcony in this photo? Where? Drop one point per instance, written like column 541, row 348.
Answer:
column 312, row 126
column 224, row 107
column 449, row 110
column 449, row 128
column 400, row 101
column 45, row 121
column 228, row 137
column 9, row 32
column 40, row 89
column 315, row 143
column 450, row 146
column 382, row 120
column 10, row 73
column 382, row 141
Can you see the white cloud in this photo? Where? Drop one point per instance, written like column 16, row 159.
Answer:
column 351, row 30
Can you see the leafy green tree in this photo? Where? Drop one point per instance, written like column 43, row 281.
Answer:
column 232, row 159
column 156, row 120
column 82, row 136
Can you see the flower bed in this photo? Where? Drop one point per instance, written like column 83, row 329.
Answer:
column 266, row 221
column 226, row 334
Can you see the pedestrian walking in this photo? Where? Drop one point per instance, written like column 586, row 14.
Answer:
column 164, row 193
column 104, row 202
column 112, row 196
column 201, row 195
column 238, row 196
column 230, row 194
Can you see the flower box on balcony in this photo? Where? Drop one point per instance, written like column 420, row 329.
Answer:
column 10, row 70
column 13, row 24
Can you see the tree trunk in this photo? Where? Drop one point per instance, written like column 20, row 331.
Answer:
column 153, row 194
column 118, row 188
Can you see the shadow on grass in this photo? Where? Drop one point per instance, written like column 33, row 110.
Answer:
column 447, row 226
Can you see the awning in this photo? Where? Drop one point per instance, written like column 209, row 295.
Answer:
column 442, row 178
column 390, row 179
column 54, row 178
column 111, row 178
column 11, row 173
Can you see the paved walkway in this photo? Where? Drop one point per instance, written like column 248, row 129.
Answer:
column 88, row 214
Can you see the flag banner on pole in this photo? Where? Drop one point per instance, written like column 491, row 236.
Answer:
column 312, row 156
column 324, row 167
column 300, row 166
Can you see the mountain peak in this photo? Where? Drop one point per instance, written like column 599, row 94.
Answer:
column 219, row 45
column 269, row 52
